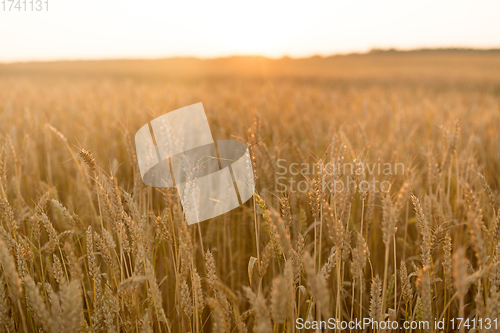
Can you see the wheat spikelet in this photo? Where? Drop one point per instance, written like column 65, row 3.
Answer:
column 259, row 306
column 419, row 310
column 376, row 299
column 460, row 273
column 406, row 289
column 186, row 301
column 131, row 282
column 162, row 227
column 447, row 261
column 226, row 292
column 240, row 324
column 146, row 324
column 330, row 220
column 314, row 193
column 329, row 264
column 3, row 170
column 59, row 135
column 282, row 235
column 389, row 220
column 34, row 222
column 402, row 196
column 252, row 146
column 185, row 261
column 7, row 215
column 104, row 201
column 109, row 241
column 55, row 308
column 10, row 272
column 94, row 270
column 95, row 273
column 74, row 266
column 273, row 228
column 282, row 295
column 72, row 306
column 111, row 308
column 210, row 268
column 105, row 250
column 297, row 258
column 197, row 291
column 6, row 321
column 370, row 206
column 58, row 271
column 317, row 285
column 487, row 189
column 216, row 286
column 460, row 277
column 390, row 290
column 88, row 158
column 37, row 303
column 267, row 256
column 479, row 301
column 475, row 223
column 116, row 200
column 50, row 246
column 359, row 255
column 425, row 231
column 344, row 245
column 424, row 289
column 154, row 294
column 22, row 267
column 496, row 229
column 286, row 211
column 493, row 302
column 451, row 147
column 185, row 243
column 122, row 233
column 71, row 218
column 495, row 273
column 219, row 325
column 475, row 226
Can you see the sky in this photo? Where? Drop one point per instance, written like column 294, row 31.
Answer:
column 102, row 29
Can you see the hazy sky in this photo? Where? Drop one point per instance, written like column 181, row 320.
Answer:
column 144, row 28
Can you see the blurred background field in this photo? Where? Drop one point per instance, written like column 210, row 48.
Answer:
column 436, row 64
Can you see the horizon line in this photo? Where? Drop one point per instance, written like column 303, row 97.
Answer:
column 371, row 51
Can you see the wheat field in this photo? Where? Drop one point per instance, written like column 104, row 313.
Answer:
column 86, row 246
